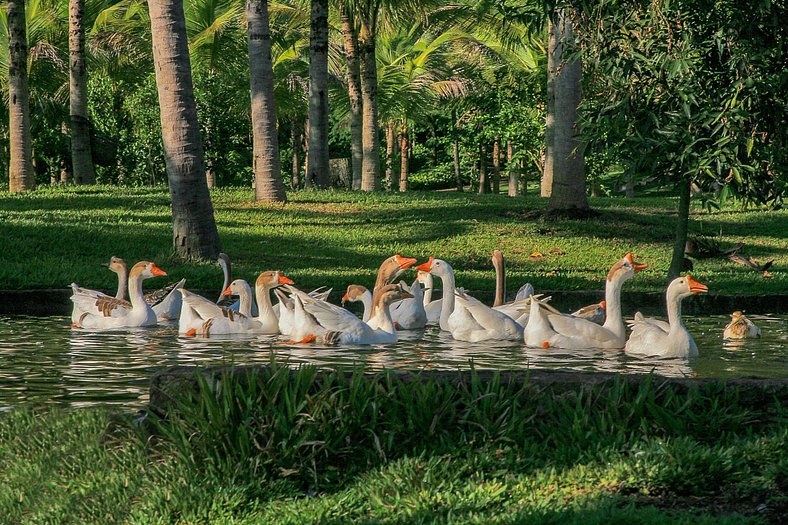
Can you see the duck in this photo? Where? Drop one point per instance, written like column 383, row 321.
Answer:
column 740, row 327
column 489, row 323
column 356, row 293
column 389, row 269
column 545, row 329
column 593, row 312
column 409, row 314
column 338, row 325
column 201, row 316
column 655, row 338
column 103, row 311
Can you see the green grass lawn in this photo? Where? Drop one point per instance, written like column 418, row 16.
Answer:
column 301, row 450
column 52, row 237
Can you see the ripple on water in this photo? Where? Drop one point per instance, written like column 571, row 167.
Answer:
column 42, row 360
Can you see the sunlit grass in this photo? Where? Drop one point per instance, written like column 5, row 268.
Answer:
column 55, row 236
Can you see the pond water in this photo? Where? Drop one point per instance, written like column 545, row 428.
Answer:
column 44, row 361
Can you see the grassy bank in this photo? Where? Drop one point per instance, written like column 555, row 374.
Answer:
column 327, row 449
column 52, row 237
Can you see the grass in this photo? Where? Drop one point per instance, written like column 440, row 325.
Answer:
column 56, row 236
column 309, row 448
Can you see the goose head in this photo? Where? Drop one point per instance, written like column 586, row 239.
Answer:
column 392, row 267
column 236, row 288
column 435, row 266
column 682, row 287
column 625, row 268
column 272, row 279
column 116, row 264
column 146, row 269
column 354, row 293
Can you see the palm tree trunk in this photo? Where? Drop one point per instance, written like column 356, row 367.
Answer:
column 296, row 134
column 565, row 160
column 81, row 157
column 496, row 182
column 680, row 239
column 194, row 230
column 318, row 95
column 370, row 176
column 513, row 169
column 266, row 164
column 456, row 150
column 391, row 146
column 20, row 174
column 405, row 149
column 350, row 40
column 484, row 183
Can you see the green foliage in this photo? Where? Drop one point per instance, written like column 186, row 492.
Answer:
column 689, row 91
column 287, row 446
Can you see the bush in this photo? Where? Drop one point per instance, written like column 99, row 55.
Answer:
column 436, row 178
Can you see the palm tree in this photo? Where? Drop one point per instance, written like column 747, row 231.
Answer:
column 267, row 172
column 317, row 156
column 81, row 156
column 370, row 176
column 350, row 43
column 194, row 230
column 564, row 162
column 21, row 176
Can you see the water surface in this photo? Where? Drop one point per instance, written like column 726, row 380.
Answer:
column 44, row 361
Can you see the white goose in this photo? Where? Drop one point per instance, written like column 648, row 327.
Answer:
column 651, row 337
column 490, row 324
column 409, row 314
column 200, row 316
column 227, row 271
column 356, row 293
column 285, row 307
column 545, row 329
column 451, row 319
column 342, row 326
column 108, row 312
column 389, row 270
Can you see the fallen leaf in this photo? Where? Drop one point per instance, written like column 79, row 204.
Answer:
column 536, row 255
column 556, row 251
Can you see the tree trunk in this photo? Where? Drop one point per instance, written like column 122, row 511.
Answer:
column 20, row 174
column 194, row 230
column 630, row 186
column 318, row 95
column 546, row 181
column 565, row 160
column 456, row 150
column 513, row 169
column 405, row 149
column 370, row 176
column 523, row 178
column 81, row 157
column 390, row 152
column 266, row 164
column 210, row 178
column 496, row 182
column 484, row 184
column 680, row 240
column 350, row 40
column 296, row 182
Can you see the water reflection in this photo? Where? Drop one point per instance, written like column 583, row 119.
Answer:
column 43, row 361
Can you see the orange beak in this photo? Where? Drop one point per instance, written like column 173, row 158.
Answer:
column 284, row 280
column 635, row 266
column 228, row 291
column 404, row 262
column 156, row 271
column 345, row 298
column 695, row 286
column 425, row 267
column 603, row 304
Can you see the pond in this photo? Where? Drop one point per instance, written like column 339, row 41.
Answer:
column 43, row 361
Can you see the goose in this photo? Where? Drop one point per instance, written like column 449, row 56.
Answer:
column 389, row 270
column 545, row 329
column 593, row 312
column 227, row 271
column 200, row 316
column 740, row 327
column 355, row 293
column 166, row 301
column 489, row 322
column 655, row 338
column 451, row 318
column 409, row 314
column 286, row 307
column 109, row 312
column 342, row 326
